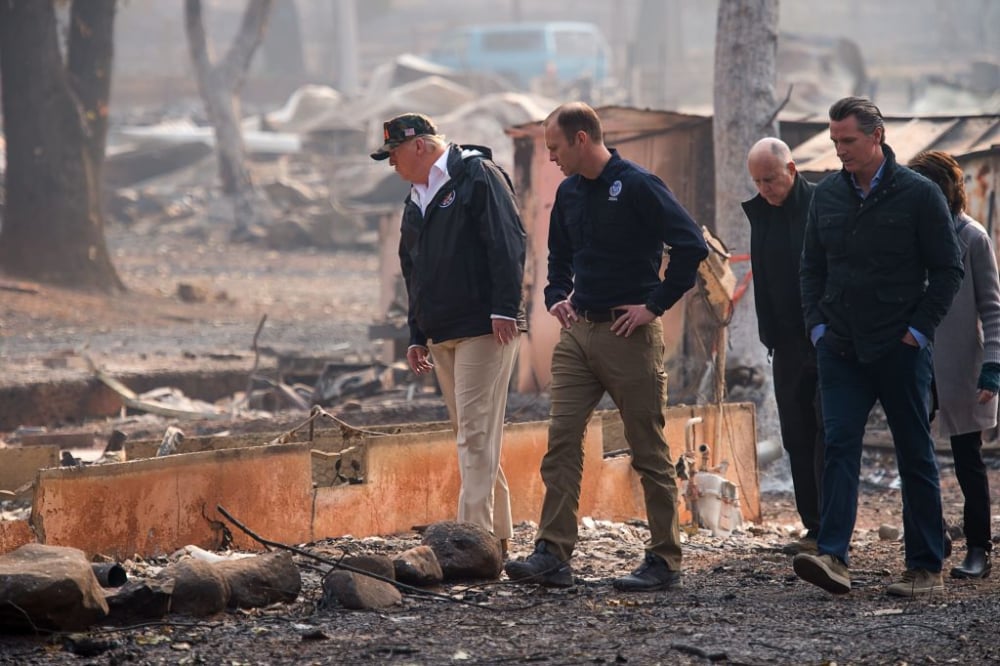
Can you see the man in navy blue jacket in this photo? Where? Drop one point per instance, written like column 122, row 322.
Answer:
column 607, row 231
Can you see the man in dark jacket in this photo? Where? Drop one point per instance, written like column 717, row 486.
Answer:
column 609, row 224
column 777, row 226
column 462, row 251
column 880, row 267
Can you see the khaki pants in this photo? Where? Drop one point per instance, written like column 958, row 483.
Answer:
column 474, row 374
column 589, row 360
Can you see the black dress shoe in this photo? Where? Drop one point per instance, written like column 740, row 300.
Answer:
column 975, row 565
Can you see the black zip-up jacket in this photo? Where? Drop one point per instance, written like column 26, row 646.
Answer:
column 463, row 260
column 872, row 268
column 606, row 240
column 776, row 237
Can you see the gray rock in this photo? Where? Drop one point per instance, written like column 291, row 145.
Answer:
column 379, row 565
column 358, row 592
column 418, row 566
column 261, row 580
column 888, row 532
column 464, row 551
column 49, row 587
column 199, row 588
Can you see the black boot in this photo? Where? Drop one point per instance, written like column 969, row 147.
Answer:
column 651, row 576
column 975, row 565
column 541, row 567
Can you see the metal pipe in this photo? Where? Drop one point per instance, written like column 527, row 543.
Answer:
column 689, row 435
column 110, row 574
column 704, row 451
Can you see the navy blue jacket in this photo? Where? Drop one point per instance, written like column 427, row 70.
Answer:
column 873, row 268
column 463, row 260
column 606, row 241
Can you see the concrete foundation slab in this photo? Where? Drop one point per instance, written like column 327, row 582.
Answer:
column 156, row 505
column 152, row 507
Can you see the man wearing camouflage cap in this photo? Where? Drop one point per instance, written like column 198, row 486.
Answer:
column 462, row 252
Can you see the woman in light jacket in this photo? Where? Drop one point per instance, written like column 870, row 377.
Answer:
column 967, row 362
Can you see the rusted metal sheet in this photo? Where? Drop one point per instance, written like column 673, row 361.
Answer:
column 961, row 136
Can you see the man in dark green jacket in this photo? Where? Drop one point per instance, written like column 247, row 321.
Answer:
column 880, row 267
column 777, row 218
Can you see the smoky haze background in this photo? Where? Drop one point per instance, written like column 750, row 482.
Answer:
column 918, row 56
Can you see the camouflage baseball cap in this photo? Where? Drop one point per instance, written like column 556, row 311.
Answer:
column 402, row 128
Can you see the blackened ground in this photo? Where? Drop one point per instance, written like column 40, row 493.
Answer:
column 740, row 602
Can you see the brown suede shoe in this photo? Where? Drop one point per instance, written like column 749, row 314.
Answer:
column 917, row 583
column 825, row 571
column 803, row 545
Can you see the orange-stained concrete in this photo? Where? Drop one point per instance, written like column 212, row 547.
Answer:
column 14, row 534
column 413, row 480
column 155, row 506
column 618, row 495
column 424, row 488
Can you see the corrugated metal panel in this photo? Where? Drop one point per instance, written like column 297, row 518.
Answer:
column 970, row 135
column 959, row 136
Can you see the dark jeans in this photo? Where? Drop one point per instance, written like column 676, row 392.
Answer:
column 796, row 391
column 971, row 473
column 900, row 380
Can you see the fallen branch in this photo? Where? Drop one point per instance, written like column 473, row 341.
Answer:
column 402, row 587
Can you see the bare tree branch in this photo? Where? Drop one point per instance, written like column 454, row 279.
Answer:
column 236, row 63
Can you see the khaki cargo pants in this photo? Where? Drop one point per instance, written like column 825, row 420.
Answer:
column 589, row 360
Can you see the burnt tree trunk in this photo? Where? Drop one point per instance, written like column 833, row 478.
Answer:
column 746, row 46
column 55, row 122
column 219, row 85
column 90, row 50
